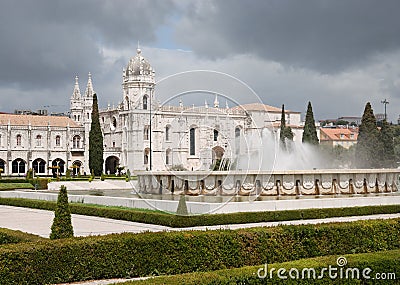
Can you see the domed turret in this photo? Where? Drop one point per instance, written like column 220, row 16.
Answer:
column 138, row 80
column 138, row 65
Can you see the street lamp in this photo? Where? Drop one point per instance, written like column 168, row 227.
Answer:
column 385, row 102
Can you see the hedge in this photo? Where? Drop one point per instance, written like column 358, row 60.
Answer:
column 123, row 255
column 171, row 220
column 8, row 236
column 379, row 262
column 13, row 186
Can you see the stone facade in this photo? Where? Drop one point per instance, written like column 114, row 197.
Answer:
column 46, row 144
column 139, row 134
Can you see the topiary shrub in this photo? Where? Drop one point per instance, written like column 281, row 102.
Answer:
column 62, row 225
column 182, row 209
column 102, row 177
column 29, row 174
column 68, row 174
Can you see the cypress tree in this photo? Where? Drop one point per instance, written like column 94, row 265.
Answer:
column 95, row 141
column 283, row 126
column 310, row 131
column 369, row 147
column 62, row 225
column 285, row 132
column 386, row 138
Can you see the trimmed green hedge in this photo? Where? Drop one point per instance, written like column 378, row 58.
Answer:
column 13, row 186
column 379, row 262
column 165, row 219
column 10, row 236
column 145, row 254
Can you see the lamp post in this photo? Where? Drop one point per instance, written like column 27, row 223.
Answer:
column 150, row 154
column 385, row 102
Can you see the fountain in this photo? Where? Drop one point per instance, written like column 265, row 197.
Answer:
column 268, row 170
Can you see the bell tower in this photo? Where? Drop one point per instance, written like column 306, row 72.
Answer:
column 138, row 82
column 76, row 104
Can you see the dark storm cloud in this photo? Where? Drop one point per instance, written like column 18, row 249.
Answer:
column 43, row 42
column 324, row 35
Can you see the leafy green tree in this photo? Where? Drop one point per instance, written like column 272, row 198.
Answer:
column 286, row 133
column 62, row 224
column 387, row 140
column 310, row 131
column 369, row 146
column 95, row 141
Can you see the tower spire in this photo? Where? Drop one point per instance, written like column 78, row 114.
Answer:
column 89, row 88
column 76, row 94
column 216, row 103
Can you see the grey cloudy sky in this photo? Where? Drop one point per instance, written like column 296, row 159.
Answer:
column 338, row 54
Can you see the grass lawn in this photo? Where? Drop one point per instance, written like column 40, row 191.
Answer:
column 13, row 186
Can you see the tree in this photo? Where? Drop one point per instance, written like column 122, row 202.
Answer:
column 387, row 140
column 95, row 141
column 369, row 147
column 285, row 132
column 310, row 131
column 62, row 225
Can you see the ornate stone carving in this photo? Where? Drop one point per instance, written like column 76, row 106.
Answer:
column 308, row 181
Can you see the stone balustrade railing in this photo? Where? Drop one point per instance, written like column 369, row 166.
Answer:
column 275, row 183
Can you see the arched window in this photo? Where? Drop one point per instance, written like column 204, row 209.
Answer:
column 76, row 142
column 39, row 165
column 192, row 141
column 146, row 156
column 215, row 135
column 237, row 140
column 19, row 140
column 58, row 166
column 114, row 122
column 145, row 102
column 58, row 140
column 167, row 131
column 38, row 140
column 237, row 132
column 127, row 103
column 76, row 167
column 18, row 166
column 2, row 166
column 146, row 133
column 168, row 157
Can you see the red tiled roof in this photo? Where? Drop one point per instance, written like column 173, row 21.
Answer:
column 260, row 107
column 38, row 121
column 338, row 134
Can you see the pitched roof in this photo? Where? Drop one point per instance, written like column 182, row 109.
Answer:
column 338, row 134
column 261, row 107
column 37, row 121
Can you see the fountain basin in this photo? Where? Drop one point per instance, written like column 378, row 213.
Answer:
column 269, row 183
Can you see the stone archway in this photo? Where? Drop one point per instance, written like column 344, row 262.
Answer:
column 76, row 168
column 57, row 167
column 111, row 164
column 217, row 154
column 39, row 166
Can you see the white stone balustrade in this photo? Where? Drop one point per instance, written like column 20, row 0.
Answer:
column 267, row 183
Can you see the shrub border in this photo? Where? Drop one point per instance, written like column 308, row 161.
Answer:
column 168, row 253
column 382, row 261
column 8, row 236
